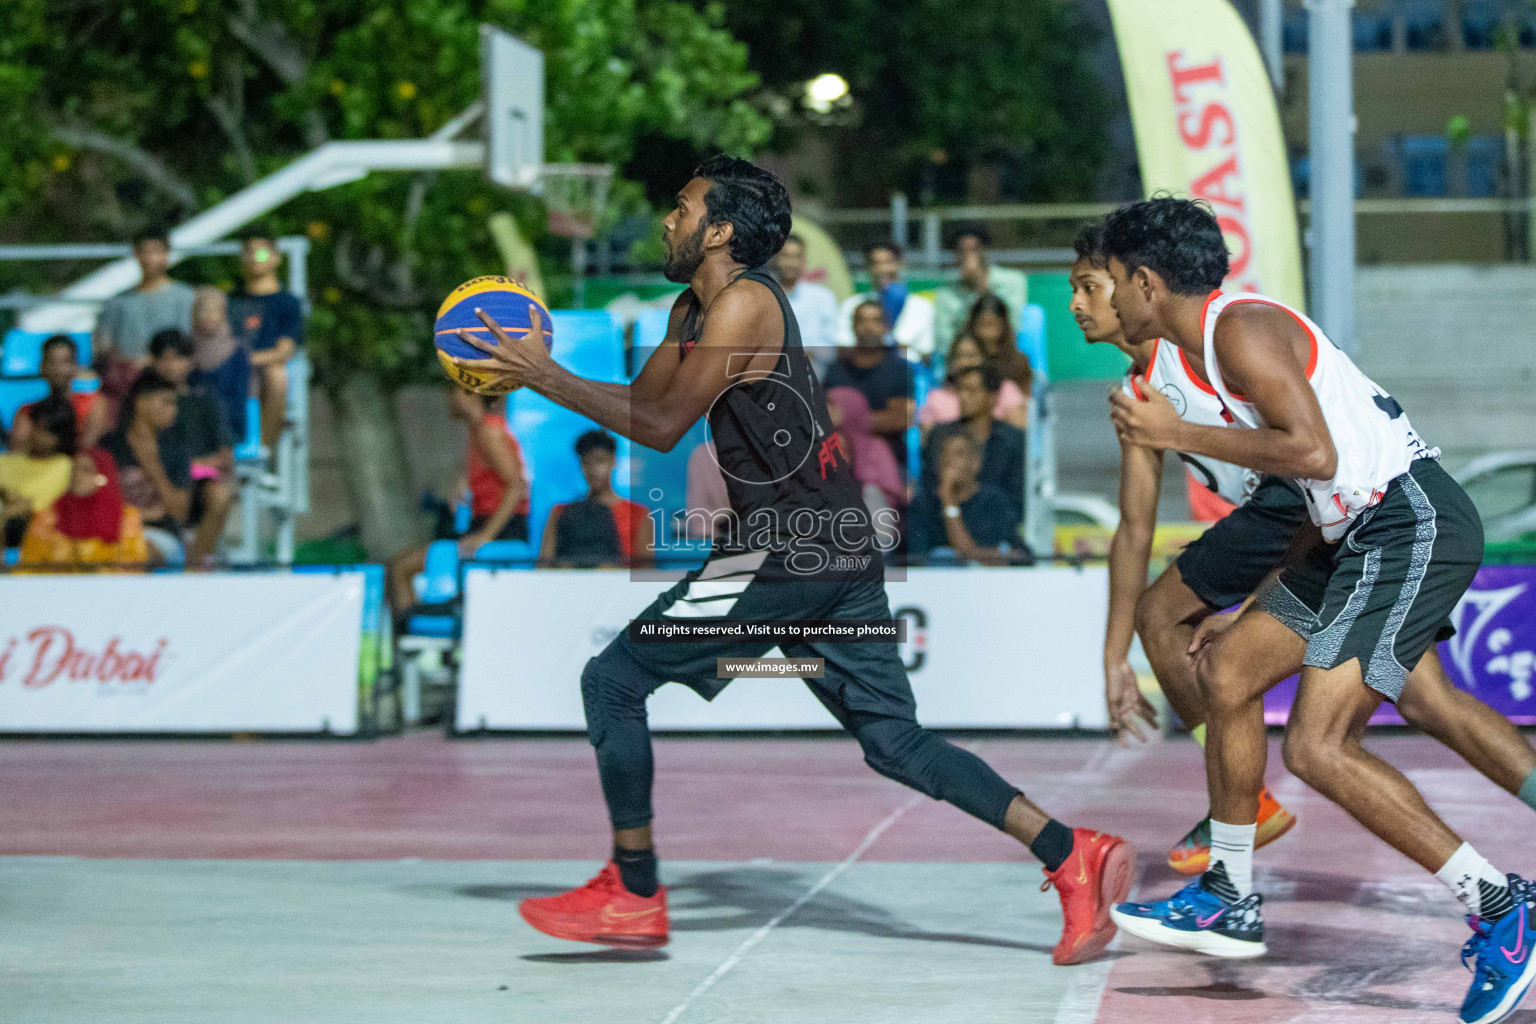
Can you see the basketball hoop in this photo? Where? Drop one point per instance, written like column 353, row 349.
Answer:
column 576, row 196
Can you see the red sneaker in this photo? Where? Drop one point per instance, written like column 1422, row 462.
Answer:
column 1096, row 877
column 601, row 911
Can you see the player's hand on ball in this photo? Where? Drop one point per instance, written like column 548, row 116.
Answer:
column 1151, row 422
column 522, row 358
column 1128, row 706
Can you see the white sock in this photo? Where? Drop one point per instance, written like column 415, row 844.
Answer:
column 1232, row 847
column 1477, row 884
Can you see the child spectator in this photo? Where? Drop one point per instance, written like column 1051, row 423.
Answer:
column 90, row 524
column 61, row 368
column 1001, row 445
column 601, row 529
column 36, row 475
column 496, row 477
column 129, row 320
column 154, row 468
column 874, row 467
column 220, row 365
column 199, row 431
column 942, row 405
column 973, row 518
column 269, row 321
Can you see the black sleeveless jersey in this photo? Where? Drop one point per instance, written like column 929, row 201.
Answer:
column 788, row 475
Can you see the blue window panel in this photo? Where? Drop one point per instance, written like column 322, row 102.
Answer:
column 1424, row 24
column 1301, row 176
column 1372, row 31
column 1426, row 165
column 1484, row 154
column 1293, row 32
column 1480, row 23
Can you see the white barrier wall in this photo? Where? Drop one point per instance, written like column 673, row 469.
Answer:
column 180, row 653
column 987, row 648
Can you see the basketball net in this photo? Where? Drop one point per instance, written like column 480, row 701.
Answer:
column 575, row 197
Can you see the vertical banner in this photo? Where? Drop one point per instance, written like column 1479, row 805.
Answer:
column 1207, row 127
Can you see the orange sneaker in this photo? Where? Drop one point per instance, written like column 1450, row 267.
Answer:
column 1096, row 877
column 1193, row 854
column 602, row 911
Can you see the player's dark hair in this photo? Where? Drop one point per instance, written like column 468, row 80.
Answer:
column 970, row 229
column 56, row 414
column 991, row 375
column 151, row 233
column 752, row 201
column 147, row 382
column 595, row 440
column 1089, row 244
column 61, row 340
column 894, row 248
column 1177, row 238
column 172, row 339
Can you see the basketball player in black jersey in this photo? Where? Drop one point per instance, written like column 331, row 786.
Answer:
column 799, row 545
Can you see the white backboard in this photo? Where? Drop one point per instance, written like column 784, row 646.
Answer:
column 513, row 77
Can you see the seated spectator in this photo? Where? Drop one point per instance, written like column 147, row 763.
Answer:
column 601, row 529
column 874, row 467
column 90, row 524
column 153, row 466
column 942, row 406
column 992, row 328
column 221, row 365
column 120, row 343
column 878, row 372
column 200, row 431
column 496, row 478
column 975, row 519
column 1002, row 445
column 976, row 275
column 708, row 512
column 36, row 474
column 269, row 321
column 910, row 317
column 61, row 368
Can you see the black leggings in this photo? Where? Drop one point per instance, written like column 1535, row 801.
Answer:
column 614, row 689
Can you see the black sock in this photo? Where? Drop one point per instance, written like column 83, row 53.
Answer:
column 1053, row 845
column 638, row 870
column 1218, row 883
column 1493, row 901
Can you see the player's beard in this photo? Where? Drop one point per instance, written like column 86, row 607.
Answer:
column 684, row 259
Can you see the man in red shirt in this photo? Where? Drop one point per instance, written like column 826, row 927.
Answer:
column 61, row 367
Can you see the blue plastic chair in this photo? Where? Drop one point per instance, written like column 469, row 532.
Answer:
column 438, row 580
column 515, row 553
column 21, row 353
column 17, row 392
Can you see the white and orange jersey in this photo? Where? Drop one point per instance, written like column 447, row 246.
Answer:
column 1371, row 434
column 1169, row 371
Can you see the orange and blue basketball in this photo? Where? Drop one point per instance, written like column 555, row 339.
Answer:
column 506, row 302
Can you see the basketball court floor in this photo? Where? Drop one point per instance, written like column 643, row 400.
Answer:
column 197, row 881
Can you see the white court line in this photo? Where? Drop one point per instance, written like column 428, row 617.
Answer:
column 783, row 915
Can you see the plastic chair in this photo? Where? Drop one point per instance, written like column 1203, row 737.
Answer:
column 516, row 553
column 17, row 392
column 433, row 630
column 21, row 352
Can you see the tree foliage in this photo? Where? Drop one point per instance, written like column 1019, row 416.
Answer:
column 970, row 79
column 118, row 113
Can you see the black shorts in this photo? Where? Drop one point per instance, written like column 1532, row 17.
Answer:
column 1229, row 561
column 863, row 677
column 516, row 529
column 1386, row 590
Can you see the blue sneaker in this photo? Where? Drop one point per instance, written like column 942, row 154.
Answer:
column 1197, row 918
column 1501, row 961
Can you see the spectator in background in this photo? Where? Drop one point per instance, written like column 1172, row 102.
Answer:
column 36, row 474
column 61, row 368
column 874, row 467
column 910, row 316
column 601, row 529
column 976, row 276
column 814, row 304
column 200, row 431
column 1001, row 445
column 991, row 324
column 877, row 371
column 496, row 477
column 153, row 467
column 707, row 514
column 269, row 321
column 943, row 406
column 121, row 341
column 973, row 518
column 221, row 366
column 90, row 524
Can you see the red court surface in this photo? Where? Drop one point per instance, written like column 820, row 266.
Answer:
column 1356, row 932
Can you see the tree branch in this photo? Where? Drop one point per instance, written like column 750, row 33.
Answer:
column 269, row 41
column 230, row 113
column 387, row 284
column 146, row 163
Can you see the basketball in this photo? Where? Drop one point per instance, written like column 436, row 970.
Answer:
column 506, row 302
